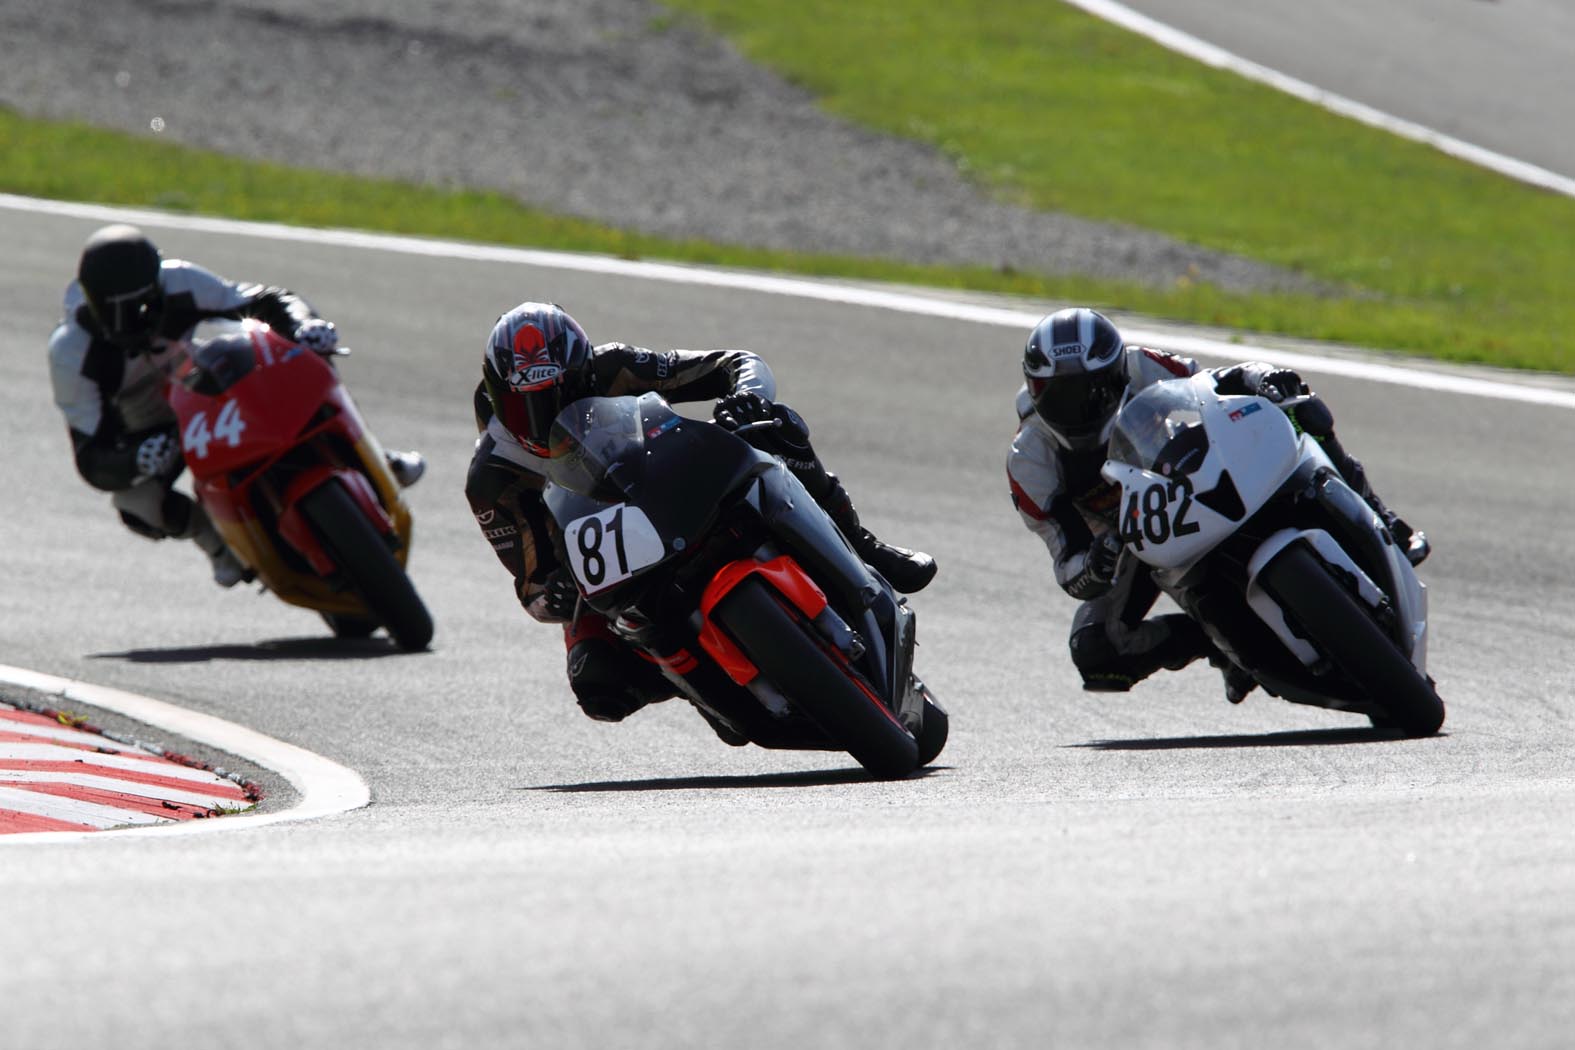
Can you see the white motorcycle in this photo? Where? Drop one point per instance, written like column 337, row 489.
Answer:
column 1249, row 528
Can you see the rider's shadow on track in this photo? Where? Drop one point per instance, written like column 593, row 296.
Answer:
column 807, row 778
column 1289, row 738
column 317, row 648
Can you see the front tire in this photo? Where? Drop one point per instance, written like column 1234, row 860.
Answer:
column 1341, row 628
column 346, row 626
column 781, row 648
column 369, row 567
column 937, row 726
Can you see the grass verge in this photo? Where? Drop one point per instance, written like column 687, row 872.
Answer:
column 1050, row 107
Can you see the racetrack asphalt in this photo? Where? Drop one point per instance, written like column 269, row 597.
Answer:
column 1155, row 869
column 1152, row 870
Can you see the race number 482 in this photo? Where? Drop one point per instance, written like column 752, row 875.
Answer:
column 1157, row 513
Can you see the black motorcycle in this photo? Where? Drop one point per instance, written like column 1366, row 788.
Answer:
column 709, row 556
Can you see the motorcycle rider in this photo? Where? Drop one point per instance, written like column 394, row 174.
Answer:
column 1078, row 373
column 126, row 319
column 537, row 360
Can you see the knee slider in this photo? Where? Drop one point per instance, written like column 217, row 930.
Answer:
column 142, row 528
column 607, row 679
column 1092, row 652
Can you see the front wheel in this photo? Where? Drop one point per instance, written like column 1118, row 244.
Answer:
column 780, row 647
column 369, row 567
column 932, row 735
column 1341, row 628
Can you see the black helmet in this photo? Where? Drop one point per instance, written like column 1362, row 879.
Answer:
column 119, row 274
column 536, row 360
column 1076, row 375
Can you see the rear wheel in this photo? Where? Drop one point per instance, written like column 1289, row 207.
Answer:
column 779, row 645
column 1341, row 628
column 369, row 567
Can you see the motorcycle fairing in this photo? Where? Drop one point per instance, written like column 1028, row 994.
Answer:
column 294, row 529
column 294, row 426
column 1330, row 553
column 784, row 576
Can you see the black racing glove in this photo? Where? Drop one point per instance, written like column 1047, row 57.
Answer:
column 789, row 436
column 1281, row 384
column 1099, row 569
column 1102, row 558
column 562, row 595
column 741, row 408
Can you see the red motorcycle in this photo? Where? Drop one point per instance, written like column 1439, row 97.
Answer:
column 296, row 484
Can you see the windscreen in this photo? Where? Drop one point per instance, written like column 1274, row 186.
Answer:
column 1161, row 429
column 219, row 364
column 588, row 439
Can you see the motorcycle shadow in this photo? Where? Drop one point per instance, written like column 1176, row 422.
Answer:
column 1287, row 738
column 807, row 778
column 316, row 648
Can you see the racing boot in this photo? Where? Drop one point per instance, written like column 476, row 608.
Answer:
column 726, row 733
column 227, row 568
column 407, row 467
column 1412, row 542
column 1171, row 642
column 907, row 571
column 1238, row 682
column 1314, row 417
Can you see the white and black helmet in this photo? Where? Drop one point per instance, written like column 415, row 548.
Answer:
column 1076, row 375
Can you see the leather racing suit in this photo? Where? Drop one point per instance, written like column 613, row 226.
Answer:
column 113, row 399
column 1062, row 498
column 504, row 487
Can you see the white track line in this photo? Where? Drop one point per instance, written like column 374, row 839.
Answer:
column 1211, row 55
column 822, row 291
column 325, row 788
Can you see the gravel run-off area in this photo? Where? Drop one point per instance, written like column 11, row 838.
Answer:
column 611, row 110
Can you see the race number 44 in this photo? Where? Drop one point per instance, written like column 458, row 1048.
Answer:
column 227, row 426
column 1157, row 513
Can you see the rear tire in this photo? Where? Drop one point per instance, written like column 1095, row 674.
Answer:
column 779, row 646
column 1341, row 628
column 369, row 567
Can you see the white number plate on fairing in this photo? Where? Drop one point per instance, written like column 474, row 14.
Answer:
column 610, row 546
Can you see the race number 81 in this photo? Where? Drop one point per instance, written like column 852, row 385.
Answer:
column 1149, row 515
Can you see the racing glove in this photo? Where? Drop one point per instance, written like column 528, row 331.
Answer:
column 1099, row 569
column 320, row 337
column 157, row 455
column 741, row 408
column 788, row 438
column 1279, row 384
column 562, row 595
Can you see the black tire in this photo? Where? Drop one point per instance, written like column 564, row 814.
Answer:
column 932, row 735
column 1343, row 631
column 796, row 664
column 345, row 626
column 369, row 567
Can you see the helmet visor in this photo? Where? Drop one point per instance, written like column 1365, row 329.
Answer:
column 128, row 315
column 1077, row 407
